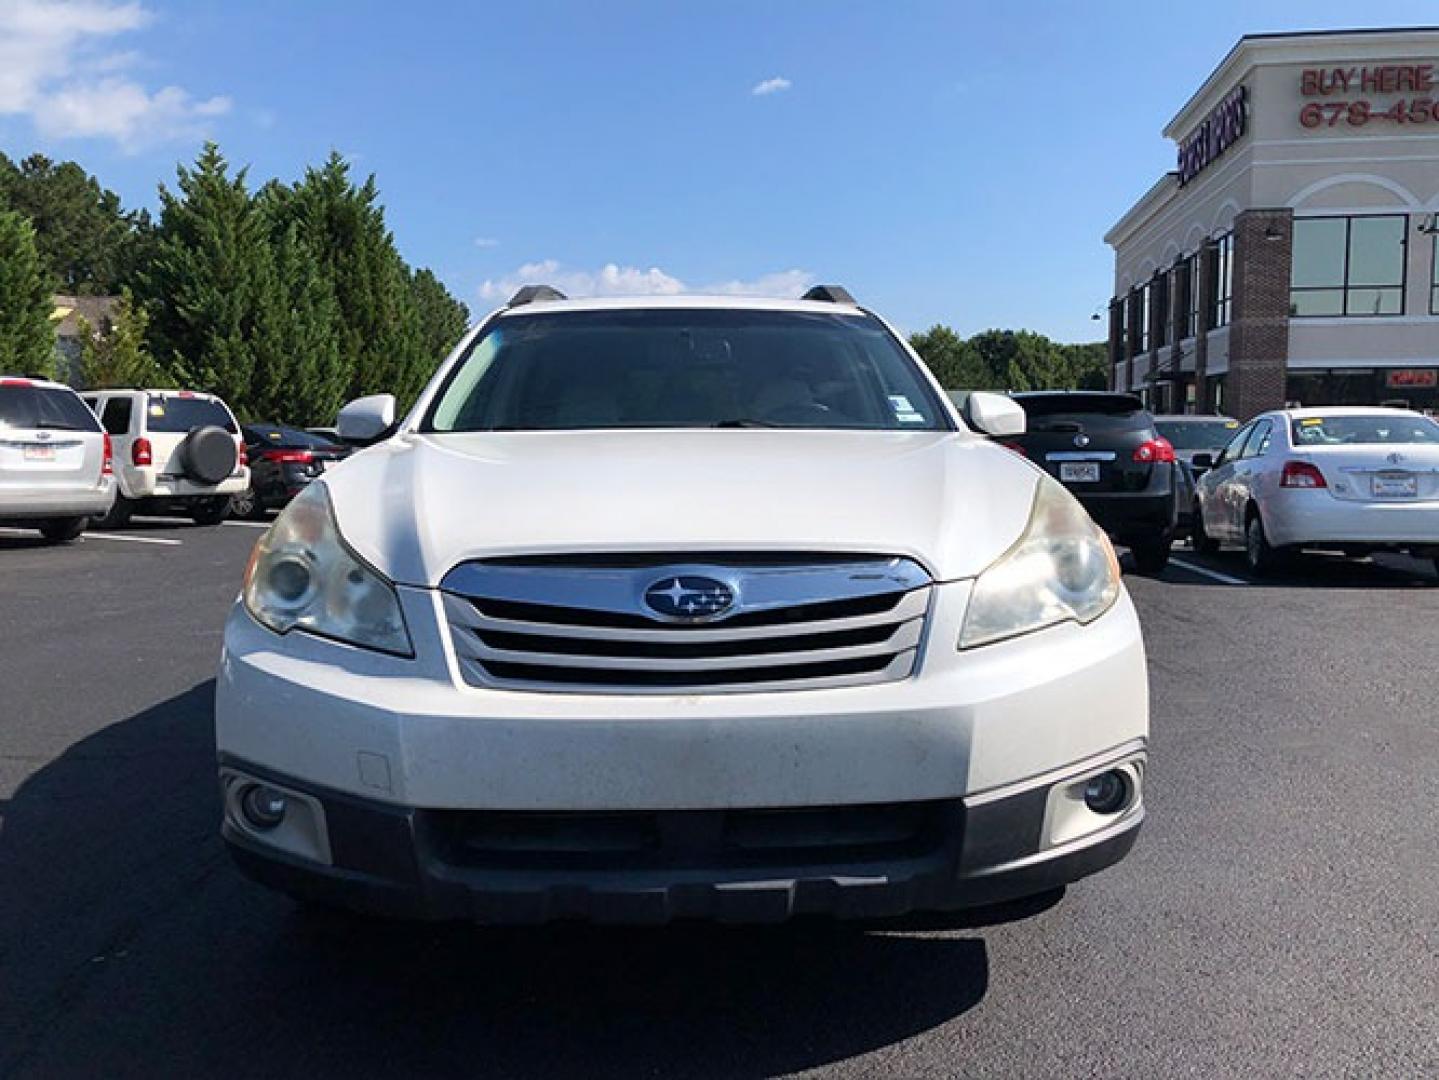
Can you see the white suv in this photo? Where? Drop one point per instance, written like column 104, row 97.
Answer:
column 674, row 608
column 176, row 451
column 55, row 462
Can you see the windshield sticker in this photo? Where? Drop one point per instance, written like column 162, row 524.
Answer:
column 900, row 404
column 1313, row 421
column 157, row 410
column 1231, row 423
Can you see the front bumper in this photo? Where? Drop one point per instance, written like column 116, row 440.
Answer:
column 955, row 854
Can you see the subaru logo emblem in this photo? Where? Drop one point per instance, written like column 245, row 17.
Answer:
column 43, row 436
column 1395, row 458
column 689, row 598
column 1081, row 439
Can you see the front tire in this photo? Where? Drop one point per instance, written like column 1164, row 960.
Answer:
column 1151, row 554
column 1199, row 537
column 63, row 530
column 1262, row 556
column 118, row 516
column 210, row 511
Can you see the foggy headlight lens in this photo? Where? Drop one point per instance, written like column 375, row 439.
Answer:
column 1061, row 569
column 302, row 576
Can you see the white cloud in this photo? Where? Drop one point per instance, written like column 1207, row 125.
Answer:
column 55, row 69
column 615, row 280
column 771, row 86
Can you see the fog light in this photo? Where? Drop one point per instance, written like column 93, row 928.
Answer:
column 263, row 807
column 1107, row 793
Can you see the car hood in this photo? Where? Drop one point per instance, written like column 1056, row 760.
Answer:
column 417, row 505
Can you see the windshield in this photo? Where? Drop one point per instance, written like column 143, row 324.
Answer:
column 685, row 368
column 1197, row 434
column 172, row 413
column 1083, row 412
column 42, row 407
column 1365, row 429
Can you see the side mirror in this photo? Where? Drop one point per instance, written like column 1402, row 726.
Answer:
column 1202, row 460
column 367, row 420
column 994, row 414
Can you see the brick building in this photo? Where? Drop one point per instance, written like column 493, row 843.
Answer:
column 1293, row 254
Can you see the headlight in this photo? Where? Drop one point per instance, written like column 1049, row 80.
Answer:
column 1062, row 568
column 303, row 576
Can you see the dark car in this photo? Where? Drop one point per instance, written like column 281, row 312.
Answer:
column 282, row 461
column 1191, row 434
column 1106, row 450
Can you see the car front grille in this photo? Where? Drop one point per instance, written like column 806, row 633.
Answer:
column 586, row 626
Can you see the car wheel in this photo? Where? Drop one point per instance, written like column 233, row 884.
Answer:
column 210, row 511
column 118, row 516
column 1262, row 556
column 1199, row 537
column 246, row 505
column 1151, row 554
column 63, row 530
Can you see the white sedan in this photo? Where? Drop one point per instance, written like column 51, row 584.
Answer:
column 1360, row 479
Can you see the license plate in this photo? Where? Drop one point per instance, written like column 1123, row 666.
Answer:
column 1396, row 486
column 1079, row 472
column 39, row 453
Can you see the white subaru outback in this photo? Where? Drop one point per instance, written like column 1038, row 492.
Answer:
column 676, row 608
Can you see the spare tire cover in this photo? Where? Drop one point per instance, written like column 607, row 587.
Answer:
column 209, row 454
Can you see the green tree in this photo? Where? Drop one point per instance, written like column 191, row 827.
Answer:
column 209, row 279
column 86, row 240
column 117, row 355
column 954, row 362
column 381, row 341
column 300, row 376
column 27, row 338
column 443, row 319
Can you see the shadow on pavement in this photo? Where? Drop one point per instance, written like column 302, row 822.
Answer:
column 130, row 946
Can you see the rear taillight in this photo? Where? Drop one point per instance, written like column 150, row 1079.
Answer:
column 108, row 468
column 296, row 457
column 1155, row 451
column 1301, row 474
column 1016, row 447
column 244, row 453
column 140, row 453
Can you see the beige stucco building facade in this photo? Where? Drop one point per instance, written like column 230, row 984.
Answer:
column 1291, row 255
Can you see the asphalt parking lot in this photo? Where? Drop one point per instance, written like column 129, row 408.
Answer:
column 1277, row 918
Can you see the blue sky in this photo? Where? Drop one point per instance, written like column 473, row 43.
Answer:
column 948, row 162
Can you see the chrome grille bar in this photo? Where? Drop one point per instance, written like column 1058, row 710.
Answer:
column 586, row 628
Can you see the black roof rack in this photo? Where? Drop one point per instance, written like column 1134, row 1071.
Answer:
column 535, row 294
column 830, row 294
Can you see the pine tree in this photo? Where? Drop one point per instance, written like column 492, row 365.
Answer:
column 299, row 374
column 205, row 285
column 380, row 338
column 118, row 356
column 27, row 339
column 443, row 319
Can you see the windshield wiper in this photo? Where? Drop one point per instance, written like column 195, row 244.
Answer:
column 744, row 423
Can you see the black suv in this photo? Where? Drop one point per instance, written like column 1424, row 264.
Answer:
column 1106, row 450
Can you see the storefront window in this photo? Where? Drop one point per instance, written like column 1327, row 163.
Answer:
column 1161, row 286
column 1348, row 266
column 1189, row 294
column 1434, row 278
column 1222, row 281
column 1146, row 303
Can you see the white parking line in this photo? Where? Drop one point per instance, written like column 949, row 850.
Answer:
column 1206, row 572
column 248, row 524
column 133, row 539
